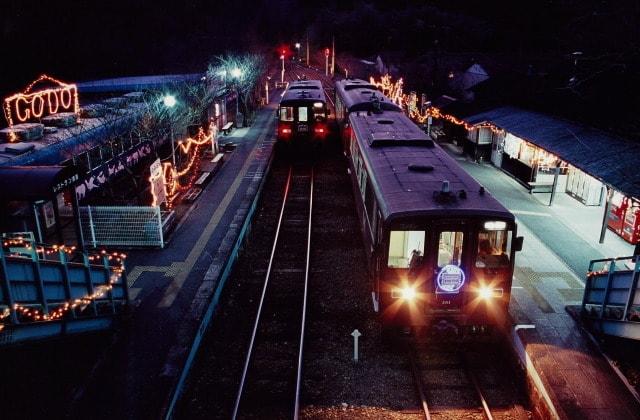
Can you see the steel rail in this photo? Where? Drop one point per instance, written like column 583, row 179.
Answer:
column 418, row 383
column 264, row 291
column 476, row 385
column 296, row 410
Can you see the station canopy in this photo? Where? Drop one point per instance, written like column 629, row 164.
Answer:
column 610, row 159
column 34, row 182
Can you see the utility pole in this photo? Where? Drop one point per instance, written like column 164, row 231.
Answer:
column 326, row 61
column 333, row 54
column 307, row 49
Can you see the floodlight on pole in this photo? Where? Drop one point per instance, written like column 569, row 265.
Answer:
column 169, row 102
column 236, row 73
column 282, row 75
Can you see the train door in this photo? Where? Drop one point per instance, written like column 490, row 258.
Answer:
column 449, row 274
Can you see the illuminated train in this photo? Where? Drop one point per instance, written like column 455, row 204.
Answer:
column 440, row 248
column 302, row 113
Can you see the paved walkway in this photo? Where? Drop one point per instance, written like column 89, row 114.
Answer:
column 174, row 286
column 559, row 243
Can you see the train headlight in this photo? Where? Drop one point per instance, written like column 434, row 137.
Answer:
column 406, row 293
column 486, row 293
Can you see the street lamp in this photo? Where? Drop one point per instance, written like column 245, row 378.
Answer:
column 236, row 73
column 298, row 51
column 282, row 74
column 169, row 102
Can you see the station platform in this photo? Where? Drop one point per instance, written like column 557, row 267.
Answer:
column 175, row 290
column 575, row 378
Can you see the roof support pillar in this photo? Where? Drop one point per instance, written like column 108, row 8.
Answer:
column 607, row 210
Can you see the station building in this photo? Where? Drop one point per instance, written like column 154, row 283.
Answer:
column 551, row 157
column 57, row 156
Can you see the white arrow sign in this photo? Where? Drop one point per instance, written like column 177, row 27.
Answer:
column 355, row 335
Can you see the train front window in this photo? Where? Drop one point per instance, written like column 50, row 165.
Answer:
column 494, row 248
column 318, row 111
column 450, row 248
column 303, row 114
column 406, row 248
column 286, row 113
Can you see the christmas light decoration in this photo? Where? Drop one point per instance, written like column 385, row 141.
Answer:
column 410, row 106
column 172, row 175
column 28, row 105
column 64, row 307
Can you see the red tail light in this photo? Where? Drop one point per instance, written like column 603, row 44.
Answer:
column 320, row 130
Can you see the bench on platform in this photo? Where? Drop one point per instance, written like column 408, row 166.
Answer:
column 227, row 128
column 202, row 179
column 191, row 195
column 540, row 187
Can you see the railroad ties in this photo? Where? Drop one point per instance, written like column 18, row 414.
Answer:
column 270, row 383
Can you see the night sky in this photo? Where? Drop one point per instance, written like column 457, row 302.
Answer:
column 82, row 40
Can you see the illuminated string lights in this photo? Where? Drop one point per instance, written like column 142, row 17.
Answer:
column 64, row 307
column 409, row 104
column 28, row 105
column 172, row 176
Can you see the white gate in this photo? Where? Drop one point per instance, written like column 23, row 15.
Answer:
column 121, row 226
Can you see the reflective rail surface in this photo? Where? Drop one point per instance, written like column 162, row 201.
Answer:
column 272, row 371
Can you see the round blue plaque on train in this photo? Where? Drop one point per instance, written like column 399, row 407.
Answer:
column 450, row 279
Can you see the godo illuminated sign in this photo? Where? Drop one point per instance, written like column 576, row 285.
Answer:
column 30, row 104
column 450, row 279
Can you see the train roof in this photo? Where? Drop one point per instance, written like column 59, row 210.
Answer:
column 360, row 95
column 304, row 90
column 408, row 169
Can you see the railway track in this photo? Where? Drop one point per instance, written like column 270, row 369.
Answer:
column 271, row 377
column 467, row 383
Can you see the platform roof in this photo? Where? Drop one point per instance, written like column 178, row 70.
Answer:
column 34, row 182
column 129, row 84
column 611, row 159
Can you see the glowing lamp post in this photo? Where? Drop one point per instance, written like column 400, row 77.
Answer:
column 236, row 73
column 169, row 102
column 282, row 73
column 298, row 51
column 326, row 61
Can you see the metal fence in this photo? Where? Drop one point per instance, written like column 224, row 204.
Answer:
column 121, row 226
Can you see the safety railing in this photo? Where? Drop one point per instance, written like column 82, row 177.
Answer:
column 122, row 226
column 612, row 296
column 50, row 290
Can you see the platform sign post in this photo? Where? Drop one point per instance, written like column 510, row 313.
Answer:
column 355, row 335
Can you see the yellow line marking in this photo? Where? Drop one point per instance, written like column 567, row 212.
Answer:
column 172, row 290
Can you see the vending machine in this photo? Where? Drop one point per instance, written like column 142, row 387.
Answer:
column 619, row 204
column 631, row 226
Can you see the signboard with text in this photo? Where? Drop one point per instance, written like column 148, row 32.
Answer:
column 33, row 103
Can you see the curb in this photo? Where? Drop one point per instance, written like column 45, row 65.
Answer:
column 548, row 409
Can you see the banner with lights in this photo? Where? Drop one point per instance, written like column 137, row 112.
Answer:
column 32, row 104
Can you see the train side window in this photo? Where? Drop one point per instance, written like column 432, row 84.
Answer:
column 403, row 245
column 286, row 113
column 494, row 248
column 450, row 248
column 303, row 114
